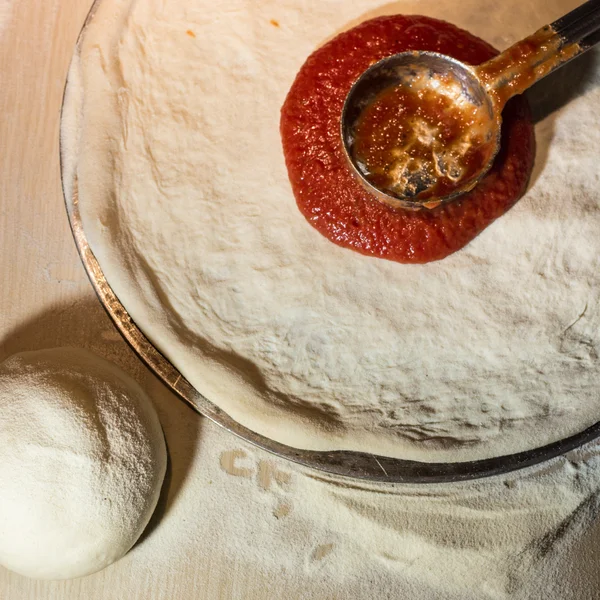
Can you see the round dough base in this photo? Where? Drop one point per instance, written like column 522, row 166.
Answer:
column 173, row 141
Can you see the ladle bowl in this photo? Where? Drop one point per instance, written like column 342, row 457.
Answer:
column 426, row 169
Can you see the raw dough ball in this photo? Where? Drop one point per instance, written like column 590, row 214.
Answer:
column 82, row 461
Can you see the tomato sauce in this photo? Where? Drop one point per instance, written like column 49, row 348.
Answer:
column 327, row 192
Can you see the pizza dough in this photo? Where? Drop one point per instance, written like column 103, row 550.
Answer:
column 171, row 133
column 82, row 461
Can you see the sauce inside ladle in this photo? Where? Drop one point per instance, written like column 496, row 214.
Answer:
column 421, row 128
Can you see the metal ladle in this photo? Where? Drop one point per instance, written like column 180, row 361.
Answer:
column 478, row 91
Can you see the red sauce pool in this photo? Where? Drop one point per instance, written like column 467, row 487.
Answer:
column 327, row 192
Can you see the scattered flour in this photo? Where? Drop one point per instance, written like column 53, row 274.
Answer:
column 520, row 536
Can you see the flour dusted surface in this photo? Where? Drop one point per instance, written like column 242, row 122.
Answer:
column 184, row 196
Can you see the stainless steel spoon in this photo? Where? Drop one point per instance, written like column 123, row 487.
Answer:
column 477, row 95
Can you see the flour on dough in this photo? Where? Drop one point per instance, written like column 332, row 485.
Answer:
column 184, row 196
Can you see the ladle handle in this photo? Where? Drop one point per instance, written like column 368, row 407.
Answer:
column 536, row 56
column 580, row 23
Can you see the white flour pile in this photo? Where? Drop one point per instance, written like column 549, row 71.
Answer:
column 172, row 129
